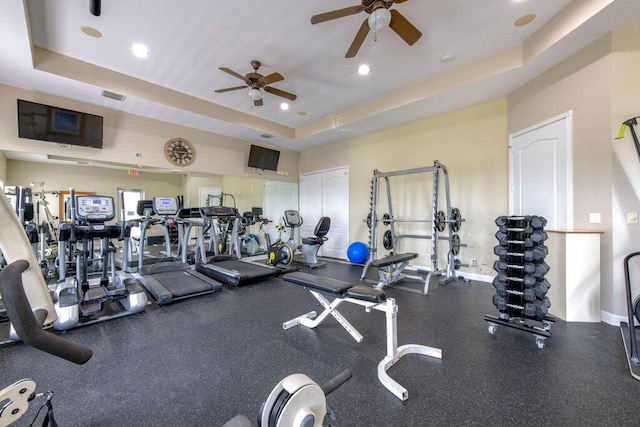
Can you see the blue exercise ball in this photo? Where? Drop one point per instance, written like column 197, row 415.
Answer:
column 358, row 253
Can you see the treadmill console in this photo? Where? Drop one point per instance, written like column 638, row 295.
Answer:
column 95, row 208
column 292, row 218
column 220, row 211
column 165, row 206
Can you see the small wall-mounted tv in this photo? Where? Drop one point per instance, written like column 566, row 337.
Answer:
column 53, row 124
column 263, row 158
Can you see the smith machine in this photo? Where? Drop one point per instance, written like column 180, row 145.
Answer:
column 391, row 267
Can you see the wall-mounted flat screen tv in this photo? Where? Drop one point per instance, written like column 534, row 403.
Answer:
column 263, row 158
column 53, row 124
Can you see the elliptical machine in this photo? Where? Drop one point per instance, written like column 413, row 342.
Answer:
column 82, row 300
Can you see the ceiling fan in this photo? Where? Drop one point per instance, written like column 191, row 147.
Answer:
column 379, row 18
column 256, row 83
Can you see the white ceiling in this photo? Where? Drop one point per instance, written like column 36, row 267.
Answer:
column 190, row 39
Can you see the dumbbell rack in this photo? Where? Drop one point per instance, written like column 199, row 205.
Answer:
column 520, row 284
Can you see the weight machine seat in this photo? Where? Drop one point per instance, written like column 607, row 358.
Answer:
column 321, row 230
column 234, row 272
column 336, row 287
column 393, row 259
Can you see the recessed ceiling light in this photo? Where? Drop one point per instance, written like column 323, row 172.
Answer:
column 140, row 50
column 284, row 106
column 525, row 19
column 447, row 58
column 363, row 70
column 91, row 32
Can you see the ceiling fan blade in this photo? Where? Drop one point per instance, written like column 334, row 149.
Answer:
column 404, row 28
column 278, row 92
column 233, row 73
column 399, row 1
column 271, row 78
column 230, row 89
column 257, row 102
column 335, row 14
column 358, row 40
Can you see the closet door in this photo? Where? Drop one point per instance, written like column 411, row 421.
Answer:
column 326, row 193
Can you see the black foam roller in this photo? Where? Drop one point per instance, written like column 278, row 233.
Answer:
column 24, row 320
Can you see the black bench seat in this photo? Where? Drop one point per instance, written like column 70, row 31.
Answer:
column 393, row 259
column 335, row 287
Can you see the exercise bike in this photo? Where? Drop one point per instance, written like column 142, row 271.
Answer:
column 279, row 252
column 297, row 401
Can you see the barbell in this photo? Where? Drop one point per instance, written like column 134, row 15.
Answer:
column 455, row 220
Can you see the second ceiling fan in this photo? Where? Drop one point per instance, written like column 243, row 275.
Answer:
column 379, row 17
column 256, row 82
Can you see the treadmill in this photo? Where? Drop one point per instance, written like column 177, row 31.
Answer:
column 228, row 269
column 171, row 281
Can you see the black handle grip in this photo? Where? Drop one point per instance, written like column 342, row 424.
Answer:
column 28, row 328
column 336, row 382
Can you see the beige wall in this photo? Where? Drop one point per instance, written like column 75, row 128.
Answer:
column 128, row 134
column 470, row 142
column 100, row 180
column 600, row 85
column 626, row 166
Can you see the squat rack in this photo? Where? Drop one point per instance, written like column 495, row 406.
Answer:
column 437, row 220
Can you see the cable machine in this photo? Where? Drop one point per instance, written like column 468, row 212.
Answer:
column 390, row 268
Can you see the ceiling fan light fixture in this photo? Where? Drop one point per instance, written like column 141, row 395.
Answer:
column 255, row 94
column 284, row 106
column 379, row 19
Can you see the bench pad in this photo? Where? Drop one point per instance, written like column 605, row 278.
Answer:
column 336, row 287
column 318, row 283
column 393, row 259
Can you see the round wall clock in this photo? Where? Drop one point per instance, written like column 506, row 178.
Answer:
column 179, row 151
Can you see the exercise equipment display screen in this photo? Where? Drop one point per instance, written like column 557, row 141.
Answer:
column 165, row 205
column 95, row 208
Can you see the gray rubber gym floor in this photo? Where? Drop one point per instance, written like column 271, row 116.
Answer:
column 201, row 361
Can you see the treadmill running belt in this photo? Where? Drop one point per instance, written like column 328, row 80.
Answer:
column 236, row 273
column 181, row 283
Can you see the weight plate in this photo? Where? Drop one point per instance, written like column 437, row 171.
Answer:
column 636, row 308
column 387, row 240
column 369, row 219
column 455, row 244
column 386, row 219
column 441, row 221
column 456, row 220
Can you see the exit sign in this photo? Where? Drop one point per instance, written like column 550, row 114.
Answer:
column 133, row 172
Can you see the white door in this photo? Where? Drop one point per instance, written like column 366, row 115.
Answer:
column 326, row 193
column 540, row 172
column 278, row 197
column 310, row 203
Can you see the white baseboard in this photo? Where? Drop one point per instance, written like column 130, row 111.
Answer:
column 612, row 319
column 461, row 274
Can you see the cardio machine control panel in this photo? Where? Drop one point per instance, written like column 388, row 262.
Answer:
column 165, row 206
column 95, row 208
column 292, row 218
column 220, row 211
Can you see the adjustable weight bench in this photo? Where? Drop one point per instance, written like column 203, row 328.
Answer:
column 390, row 271
column 369, row 298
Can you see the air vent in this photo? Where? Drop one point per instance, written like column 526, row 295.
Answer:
column 113, row 95
column 266, row 135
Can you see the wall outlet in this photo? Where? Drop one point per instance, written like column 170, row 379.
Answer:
column 595, row 218
column 632, row 217
column 474, row 263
